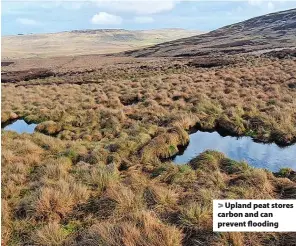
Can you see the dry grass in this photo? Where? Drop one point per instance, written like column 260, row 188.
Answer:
column 55, row 201
column 102, row 180
column 197, row 216
column 142, row 228
column 244, row 99
column 51, row 234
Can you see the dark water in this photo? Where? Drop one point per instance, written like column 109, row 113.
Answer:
column 20, row 126
column 269, row 156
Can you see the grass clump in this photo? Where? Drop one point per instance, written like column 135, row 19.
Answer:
column 196, row 216
column 209, row 160
column 51, row 234
column 98, row 176
column 165, row 145
column 57, row 200
column 143, row 228
column 49, row 127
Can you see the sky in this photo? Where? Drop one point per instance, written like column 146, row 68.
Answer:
column 41, row 16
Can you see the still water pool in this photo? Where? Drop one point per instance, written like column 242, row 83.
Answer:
column 20, row 126
column 269, row 156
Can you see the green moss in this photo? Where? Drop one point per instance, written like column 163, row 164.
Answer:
column 70, row 153
column 158, row 171
column 271, row 102
column 231, row 166
column 284, row 172
column 251, row 133
column 173, row 149
column 184, row 168
column 71, row 227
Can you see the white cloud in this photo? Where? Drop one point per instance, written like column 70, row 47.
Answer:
column 73, row 5
column 255, row 2
column 143, row 19
column 104, row 18
column 264, row 4
column 270, row 6
column 25, row 21
column 138, row 7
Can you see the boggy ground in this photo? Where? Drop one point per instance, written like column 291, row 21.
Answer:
column 250, row 96
column 99, row 179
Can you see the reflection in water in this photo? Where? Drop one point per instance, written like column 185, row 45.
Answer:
column 20, row 126
column 269, row 156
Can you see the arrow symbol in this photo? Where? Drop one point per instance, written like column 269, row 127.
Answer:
column 220, row 205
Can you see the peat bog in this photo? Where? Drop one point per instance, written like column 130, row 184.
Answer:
column 102, row 172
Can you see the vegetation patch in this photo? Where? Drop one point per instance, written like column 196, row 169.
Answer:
column 49, row 128
column 105, row 179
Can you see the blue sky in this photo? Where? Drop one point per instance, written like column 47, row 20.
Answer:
column 39, row 16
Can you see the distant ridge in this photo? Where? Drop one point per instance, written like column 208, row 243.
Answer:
column 264, row 33
column 85, row 42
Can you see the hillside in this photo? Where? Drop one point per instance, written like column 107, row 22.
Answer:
column 268, row 32
column 102, row 41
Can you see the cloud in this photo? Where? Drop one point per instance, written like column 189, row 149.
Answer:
column 26, row 21
column 104, row 18
column 264, row 4
column 73, row 5
column 270, row 6
column 143, row 19
column 138, row 7
column 255, row 2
